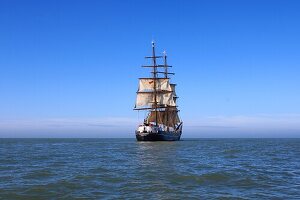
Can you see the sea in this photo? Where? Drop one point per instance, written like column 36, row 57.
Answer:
column 127, row 169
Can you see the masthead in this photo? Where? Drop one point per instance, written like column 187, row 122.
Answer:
column 165, row 53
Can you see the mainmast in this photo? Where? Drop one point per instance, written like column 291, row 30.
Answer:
column 154, row 78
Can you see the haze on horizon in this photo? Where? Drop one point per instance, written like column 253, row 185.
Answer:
column 70, row 68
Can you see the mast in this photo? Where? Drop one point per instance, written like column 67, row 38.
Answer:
column 166, row 76
column 165, row 64
column 154, row 78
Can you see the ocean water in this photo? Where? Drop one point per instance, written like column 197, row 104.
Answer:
column 126, row 169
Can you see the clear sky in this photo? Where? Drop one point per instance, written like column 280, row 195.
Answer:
column 69, row 68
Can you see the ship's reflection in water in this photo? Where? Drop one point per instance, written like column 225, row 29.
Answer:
column 157, row 166
column 156, row 153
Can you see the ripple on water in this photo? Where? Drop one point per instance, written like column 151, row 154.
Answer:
column 116, row 169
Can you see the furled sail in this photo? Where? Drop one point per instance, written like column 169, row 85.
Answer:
column 168, row 118
column 147, row 84
column 146, row 100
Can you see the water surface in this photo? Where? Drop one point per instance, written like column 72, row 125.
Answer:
column 124, row 168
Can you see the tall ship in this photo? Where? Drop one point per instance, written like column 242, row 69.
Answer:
column 156, row 95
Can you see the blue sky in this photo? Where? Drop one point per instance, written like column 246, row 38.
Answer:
column 70, row 68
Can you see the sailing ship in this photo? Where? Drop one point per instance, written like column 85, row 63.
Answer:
column 156, row 95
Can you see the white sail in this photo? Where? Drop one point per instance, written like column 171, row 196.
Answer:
column 147, row 84
column 143, row 100
column 147, row 99
column 173, row 89
column 174, row 92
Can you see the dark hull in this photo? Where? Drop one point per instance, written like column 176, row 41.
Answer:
column 160, row 136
